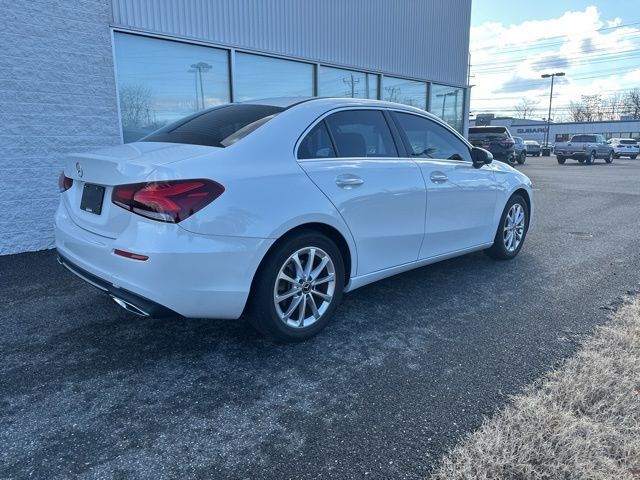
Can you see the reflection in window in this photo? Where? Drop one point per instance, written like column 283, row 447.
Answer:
column 405, row 91
column 257, row 76
column 447, row 103
column 336, row 82
column 160, row 81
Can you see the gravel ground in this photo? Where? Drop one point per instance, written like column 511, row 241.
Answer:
column 410, row 365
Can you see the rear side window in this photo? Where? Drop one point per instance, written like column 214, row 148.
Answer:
column 217, row 127
column 584, row 139
column 361, row 133
column 317, row 144
column 430, row 140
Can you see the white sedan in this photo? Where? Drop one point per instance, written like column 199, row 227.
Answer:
column 277, row 207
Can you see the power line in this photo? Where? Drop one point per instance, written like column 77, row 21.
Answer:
column 561, row 62
column 558, row 37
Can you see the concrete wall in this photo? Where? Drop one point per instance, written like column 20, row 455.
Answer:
column 57, row 95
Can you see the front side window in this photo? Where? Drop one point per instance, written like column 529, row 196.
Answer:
column 361, row 133
column 218, row 127
column 161, row 81
column 430, row 140
column 317, row 144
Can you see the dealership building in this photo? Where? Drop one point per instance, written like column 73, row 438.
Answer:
column 84, row 74
column 561, row 131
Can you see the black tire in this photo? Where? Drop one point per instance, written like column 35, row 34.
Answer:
column 498, row 250
column 261, row 308
column 591, row 159
column 561, row 159
column 511, row 160
column 537, row 154
column 522, row 158
column 609, row 159
column 633, row 157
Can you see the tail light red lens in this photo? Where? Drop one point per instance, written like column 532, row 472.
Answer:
column 507, row 143
column 64, row 183
column 167, row 201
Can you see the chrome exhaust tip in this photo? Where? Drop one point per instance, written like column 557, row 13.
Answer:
column 129, row 307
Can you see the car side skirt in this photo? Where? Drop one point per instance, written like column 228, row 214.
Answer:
column 362, row 280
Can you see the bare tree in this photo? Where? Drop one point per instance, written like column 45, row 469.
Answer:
column 577, row 111
column 525, row 108
column 135, row 105
column 631, row 106
column 614, row 106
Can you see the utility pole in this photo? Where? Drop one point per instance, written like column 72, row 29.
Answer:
column 552, row 75
column 352, row 83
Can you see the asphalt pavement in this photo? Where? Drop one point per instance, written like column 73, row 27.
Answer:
column 409, row 365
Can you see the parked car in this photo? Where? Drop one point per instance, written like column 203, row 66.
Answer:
column 520, row 150
column 584, row 148
column 533, row 148
column 497, row 140
column 275, row 208
column 625, row 147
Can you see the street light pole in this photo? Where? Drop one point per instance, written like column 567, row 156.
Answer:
column 552, row 75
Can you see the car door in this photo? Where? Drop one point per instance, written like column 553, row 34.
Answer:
column 352, row 157
column 461, row 199
column 603, row 147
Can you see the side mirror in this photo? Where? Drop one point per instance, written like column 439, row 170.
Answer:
column 480, row 157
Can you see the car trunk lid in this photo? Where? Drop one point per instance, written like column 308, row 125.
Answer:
column 95, row 174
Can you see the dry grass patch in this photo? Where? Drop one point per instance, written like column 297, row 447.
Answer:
column 581, row 421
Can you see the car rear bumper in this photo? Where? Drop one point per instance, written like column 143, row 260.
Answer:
column 186, row 274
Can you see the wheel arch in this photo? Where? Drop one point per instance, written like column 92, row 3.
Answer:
column 527, row 198
column 329, row 231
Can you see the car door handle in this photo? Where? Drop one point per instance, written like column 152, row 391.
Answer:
column 348, row 181
column 438, row 177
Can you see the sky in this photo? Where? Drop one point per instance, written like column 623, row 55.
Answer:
column 596, row 43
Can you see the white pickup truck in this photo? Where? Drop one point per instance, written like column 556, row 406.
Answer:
column 584, row 148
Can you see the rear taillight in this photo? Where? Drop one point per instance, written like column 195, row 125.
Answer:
column 507, row 143
column 64, row 183
column 167, row 201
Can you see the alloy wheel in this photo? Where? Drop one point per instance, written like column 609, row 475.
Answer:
column 304, row 287
column 513, row 229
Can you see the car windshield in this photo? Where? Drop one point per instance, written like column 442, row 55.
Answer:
column 217, row 127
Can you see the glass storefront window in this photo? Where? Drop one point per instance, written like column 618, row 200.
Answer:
column 448, row 104
column 258, row 76
column 337, row 82
column 405, row 91
column 161, row 81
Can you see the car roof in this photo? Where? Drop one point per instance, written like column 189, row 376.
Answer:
column 332, row 102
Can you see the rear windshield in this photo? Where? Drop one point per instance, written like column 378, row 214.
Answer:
column 628, row 142
column 488, row 133
column 217, row 127
column 584, row 138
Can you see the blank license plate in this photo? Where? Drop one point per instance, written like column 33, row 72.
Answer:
column 92, row 196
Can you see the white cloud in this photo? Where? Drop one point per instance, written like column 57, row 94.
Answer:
column 508, row 59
